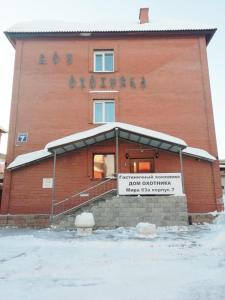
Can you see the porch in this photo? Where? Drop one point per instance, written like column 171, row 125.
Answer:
column 103, row 154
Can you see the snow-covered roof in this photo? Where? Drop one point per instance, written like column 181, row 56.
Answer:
column 63, row 26
column 105, row 132
column 198, row 153
column 28, row 158
column 126, row 131
column 51, row 28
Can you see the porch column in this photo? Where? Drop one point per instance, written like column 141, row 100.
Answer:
column 182, row 170
column 117, row 154
column 53, row 186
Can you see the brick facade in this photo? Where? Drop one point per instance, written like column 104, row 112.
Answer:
column 176, row 101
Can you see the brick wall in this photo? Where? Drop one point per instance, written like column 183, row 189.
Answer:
column 176, row 101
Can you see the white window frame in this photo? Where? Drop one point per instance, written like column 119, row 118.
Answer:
column 103, row 110
column 103, row 52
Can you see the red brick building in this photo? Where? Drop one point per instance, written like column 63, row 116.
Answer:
column 75, row 83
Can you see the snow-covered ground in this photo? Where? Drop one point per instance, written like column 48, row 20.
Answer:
column 180, row 263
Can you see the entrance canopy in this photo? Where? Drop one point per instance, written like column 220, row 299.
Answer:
column 108, row 131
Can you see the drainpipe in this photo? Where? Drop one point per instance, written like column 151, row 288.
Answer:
column 53, row 186
column 117, row 155
column 182, row 171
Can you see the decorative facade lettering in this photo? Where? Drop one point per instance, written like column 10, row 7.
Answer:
column 72, row 82
column 112, row 82
column 95, row 82
column 143, row 83
column 42, row 59
column 82, row 82
column 122, row 82
column 92, row 82
column 132, row 83
column 55, row 58
column 69, row 58
column 102, row 82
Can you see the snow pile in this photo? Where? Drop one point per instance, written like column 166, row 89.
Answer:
column 146, row 230
column 220, row 220
column 84, row 223
column 218, row 232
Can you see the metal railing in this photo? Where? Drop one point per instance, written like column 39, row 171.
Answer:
column 86, row 196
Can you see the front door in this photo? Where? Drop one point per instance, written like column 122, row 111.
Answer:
column 141, row 165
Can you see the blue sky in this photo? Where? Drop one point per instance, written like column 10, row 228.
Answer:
column 201, row 11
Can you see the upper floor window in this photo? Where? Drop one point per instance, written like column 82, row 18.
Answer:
column 104, row 111
column 103, row 61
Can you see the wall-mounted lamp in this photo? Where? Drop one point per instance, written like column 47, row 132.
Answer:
column 127, row 155
column 156, row 154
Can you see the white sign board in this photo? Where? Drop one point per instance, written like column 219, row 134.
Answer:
column 150, row 184
column 47, row 183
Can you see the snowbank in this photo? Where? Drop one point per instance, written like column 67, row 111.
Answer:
column 146, row 230
column 85, row 220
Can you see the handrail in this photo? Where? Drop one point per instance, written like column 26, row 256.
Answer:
column 77, row 200
column 84, row 203
column 84, row 191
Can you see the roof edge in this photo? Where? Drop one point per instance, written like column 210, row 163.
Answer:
column 13, row 36
column 199, row 154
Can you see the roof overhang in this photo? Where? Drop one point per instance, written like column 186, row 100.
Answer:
column 28, row 159
column 13, row 36
column 140, row 135
column 198, row 153
column 125, row 131
column 40, row 29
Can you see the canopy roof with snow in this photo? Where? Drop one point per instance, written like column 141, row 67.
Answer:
column 198, row 153
column 106, row 132
column 125, row 131
column 28, row 158
column 56, row 28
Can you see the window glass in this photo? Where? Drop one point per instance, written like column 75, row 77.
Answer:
column 104, row 166
column 109, row 62
column 109, row 112
column 98, row 112
column 141, row 165
column 104, row 111
column 98, row 62
column 103, row 61
column 144, row 167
